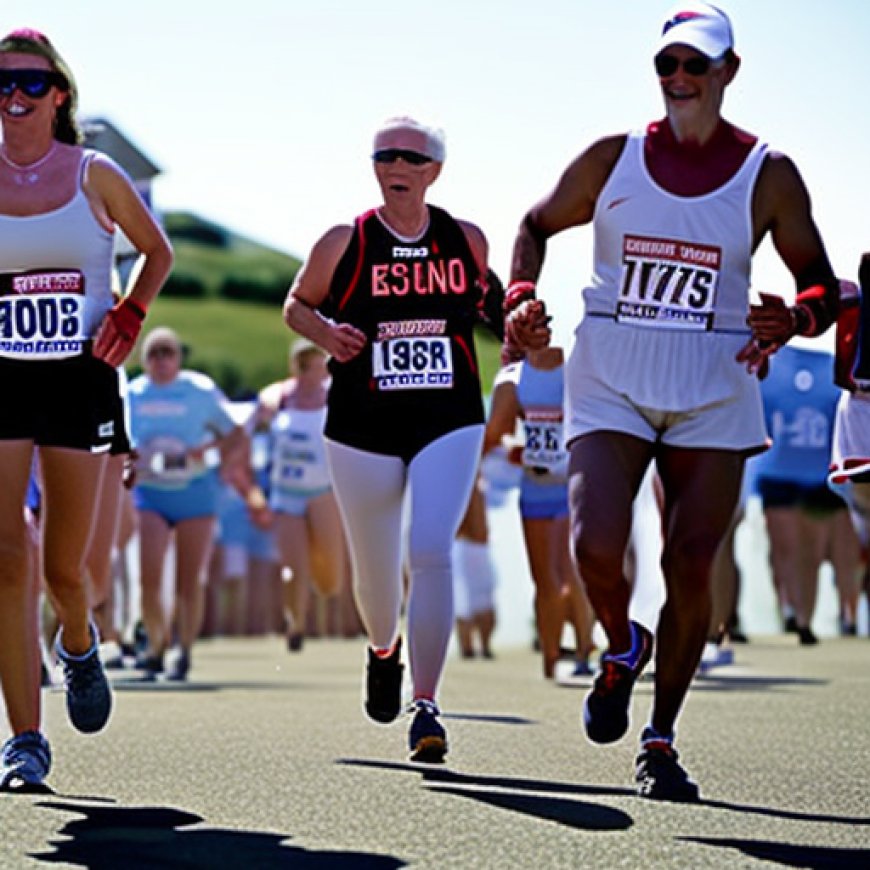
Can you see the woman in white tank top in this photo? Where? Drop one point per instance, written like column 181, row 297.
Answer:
column 60, row 341
column 307, row 522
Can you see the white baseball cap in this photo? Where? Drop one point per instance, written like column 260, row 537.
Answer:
column 701, row 26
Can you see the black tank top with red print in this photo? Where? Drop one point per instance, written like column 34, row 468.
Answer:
column 417, row 302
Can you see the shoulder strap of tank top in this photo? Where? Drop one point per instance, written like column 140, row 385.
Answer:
column 359, row 230
column 88, row 155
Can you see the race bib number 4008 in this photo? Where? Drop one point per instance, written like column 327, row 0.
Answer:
column 413, row 363
column 668, row 284
column 41, row 315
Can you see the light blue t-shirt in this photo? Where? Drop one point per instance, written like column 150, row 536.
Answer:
column 167, row 420
column 800, row 400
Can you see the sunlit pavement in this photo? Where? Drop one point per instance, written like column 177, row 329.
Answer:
column 266, row 760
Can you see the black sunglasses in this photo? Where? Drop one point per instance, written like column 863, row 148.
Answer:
column 666, row 65
column 34, row 83
column 160, row 351
column 391, row 155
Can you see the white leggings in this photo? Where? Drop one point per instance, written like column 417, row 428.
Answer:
column 371, row 489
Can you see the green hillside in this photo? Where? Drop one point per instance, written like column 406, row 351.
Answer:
column 224, row 299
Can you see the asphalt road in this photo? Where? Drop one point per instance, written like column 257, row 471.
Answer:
column 266, row 760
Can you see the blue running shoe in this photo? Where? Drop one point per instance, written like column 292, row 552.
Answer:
column 88, row 696
column 384, row 685
column 26, row 760
column 427, row 738
column 605, row 712
column 659, row 775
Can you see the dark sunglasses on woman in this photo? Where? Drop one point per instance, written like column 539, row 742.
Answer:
column 34, row 83
column 391, row 155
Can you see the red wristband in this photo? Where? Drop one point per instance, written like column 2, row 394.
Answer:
column 517, row 292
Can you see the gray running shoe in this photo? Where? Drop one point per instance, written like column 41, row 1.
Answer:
column 26, row 760
column 88, row 696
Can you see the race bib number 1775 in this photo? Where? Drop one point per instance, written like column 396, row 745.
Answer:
column 668, row 284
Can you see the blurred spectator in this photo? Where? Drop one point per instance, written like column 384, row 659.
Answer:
column 182, row 429
column 474, row 580
column 531, row 390
column 307, row 523
column 806, row 522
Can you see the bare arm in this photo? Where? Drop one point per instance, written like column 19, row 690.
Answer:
column 571, row 203
column 503, row 413
column 781, row 206
column 109, row 189
column 478, row 244
column 340, row 340
column 115, row 201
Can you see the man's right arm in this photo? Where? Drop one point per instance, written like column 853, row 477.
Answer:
column 571, row 203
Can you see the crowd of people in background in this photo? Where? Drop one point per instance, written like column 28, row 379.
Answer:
column 348, row 500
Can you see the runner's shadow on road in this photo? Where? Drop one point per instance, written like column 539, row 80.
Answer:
column 516, row 795
column 142, row 684
column 745, row 683
column 136, row 838
column 567, row 810
column 790, row 854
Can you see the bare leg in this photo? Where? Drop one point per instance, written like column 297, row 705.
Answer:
column 701, row 488
column 541, row 543
column 784, row 537
column 291, row 534
column 193, row 542
column 606, row 469
column 72, row 481
column 19, row 634
column 154, row 535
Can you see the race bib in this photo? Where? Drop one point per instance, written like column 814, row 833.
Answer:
column 545, row 441
column 668, row 284
column 413, row 363
column 42, row 315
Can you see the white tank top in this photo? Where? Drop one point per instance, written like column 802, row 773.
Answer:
column 49, row 313
column 298, row 452
column 673, row 262
column 666, row 310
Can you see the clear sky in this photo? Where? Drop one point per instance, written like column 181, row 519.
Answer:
column 260, row 112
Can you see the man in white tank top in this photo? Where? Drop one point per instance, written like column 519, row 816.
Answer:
column 663, row 366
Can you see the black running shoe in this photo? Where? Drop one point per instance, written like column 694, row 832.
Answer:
column 427, row 738
column 806, row 637
column 660, row 777
column 295, row 641
column 384, row 685
column 150, row 665
column 88, row 696
column 180, row 667
column 605, row 712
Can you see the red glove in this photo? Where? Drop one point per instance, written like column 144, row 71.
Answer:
column 118, row 332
